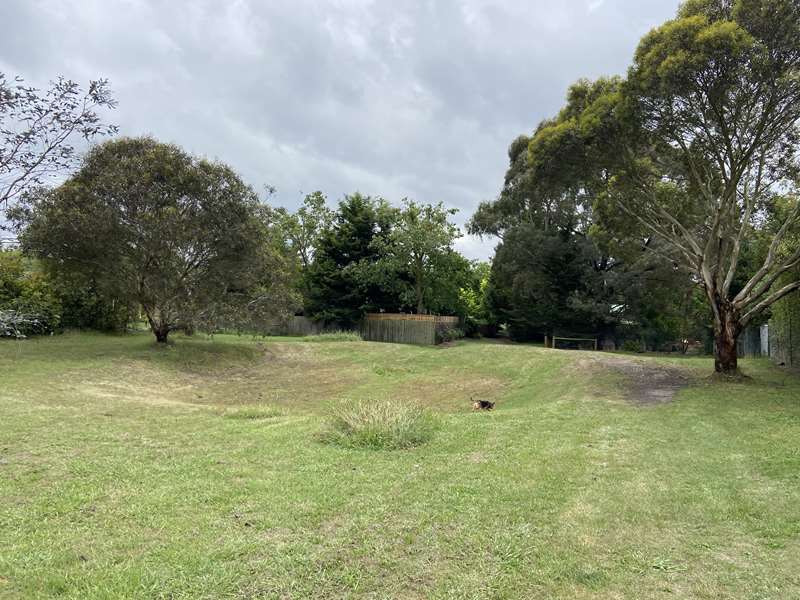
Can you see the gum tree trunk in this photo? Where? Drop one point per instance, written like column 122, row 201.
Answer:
column 161, row 332
column 726, row 332
column 159, row 328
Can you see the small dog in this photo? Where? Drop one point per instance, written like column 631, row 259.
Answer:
column 482, row 405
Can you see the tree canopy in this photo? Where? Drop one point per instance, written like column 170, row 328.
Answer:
column 180, row 236
column 38, row 128
column 689, row 156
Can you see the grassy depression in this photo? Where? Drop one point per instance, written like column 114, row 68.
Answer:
column 198, row 471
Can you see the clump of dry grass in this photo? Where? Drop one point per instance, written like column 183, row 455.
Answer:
column 378, row 424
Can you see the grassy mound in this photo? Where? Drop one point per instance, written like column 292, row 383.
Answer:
column 379, row 424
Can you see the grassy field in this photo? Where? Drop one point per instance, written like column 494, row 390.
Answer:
column 197, row 471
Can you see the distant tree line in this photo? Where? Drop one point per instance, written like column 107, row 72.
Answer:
column 651, row 210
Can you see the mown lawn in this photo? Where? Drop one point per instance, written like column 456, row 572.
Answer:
column 196, row 471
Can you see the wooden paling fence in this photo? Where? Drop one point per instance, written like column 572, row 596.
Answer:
column 297, row 326
column 400, row 328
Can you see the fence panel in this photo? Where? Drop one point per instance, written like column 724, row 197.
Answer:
column 749, row 343
column 784, row 333
column 784, row 326
column 401, row 328
column 399, row 331
column 296, row 326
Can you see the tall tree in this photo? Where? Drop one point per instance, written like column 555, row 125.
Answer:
column 338, row 290
column 418, row 255
column 710, row 115
column 178, row 235
column 695, row 149
column 38, row 129
column 302, row 232
column 553, row 271
column 305, row 227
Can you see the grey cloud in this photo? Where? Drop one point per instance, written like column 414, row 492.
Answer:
column 417, row 99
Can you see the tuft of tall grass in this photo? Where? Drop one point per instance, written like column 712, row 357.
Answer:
column 334, row 336
column 378, row 424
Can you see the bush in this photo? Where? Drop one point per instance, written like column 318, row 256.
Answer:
column 28, row 302
column 448, row 335
column 632, row 346
column 379, row 425
column 335, row 336
column 19, row 325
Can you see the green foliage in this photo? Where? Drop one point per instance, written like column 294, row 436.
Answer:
column 685, row 157
column 301, row 233
column 417, row 258
column 179, row 236
column 712, row 104
column 632, row 346
column 474, row 301
column 784, row 326
column 85, row 304
column 556, row 270
column 28, row 299
column 374, row 257
column 334, row 336
column 378, row 424
column 38, row 129
column 338, row 290
column 303, row 229
column 55, row 297
column 449, row 334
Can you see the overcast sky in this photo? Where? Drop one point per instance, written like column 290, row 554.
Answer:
column 390, row 98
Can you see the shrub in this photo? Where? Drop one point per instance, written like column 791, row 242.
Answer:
column 335, row 336
column 379, row 425
column 28, row 303
column 448, row 335
column 18, row 325
column 632, row 346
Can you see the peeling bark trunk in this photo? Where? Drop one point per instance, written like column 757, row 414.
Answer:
column 726, row 333
column 161, row 332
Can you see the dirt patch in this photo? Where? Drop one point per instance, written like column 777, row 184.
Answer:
column 645, row 384
column 649, row 384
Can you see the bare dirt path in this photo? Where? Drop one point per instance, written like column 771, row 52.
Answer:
column 645, row 382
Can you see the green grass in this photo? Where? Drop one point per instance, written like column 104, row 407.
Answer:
column 380, row 424
column 334, row 336
column 196, row 471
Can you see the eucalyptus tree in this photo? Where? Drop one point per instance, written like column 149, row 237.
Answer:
column 696, row 150
column 38, row 129
column 303, row 228
column 713, row 105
